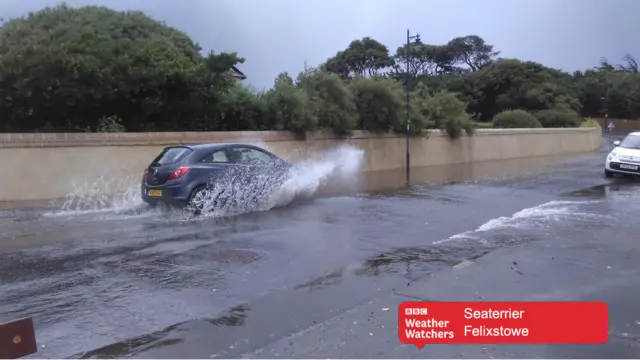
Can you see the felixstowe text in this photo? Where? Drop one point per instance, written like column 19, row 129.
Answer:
column 433, row 329
column 484, row 323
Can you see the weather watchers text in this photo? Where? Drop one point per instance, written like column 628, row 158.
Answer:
column 422, row 323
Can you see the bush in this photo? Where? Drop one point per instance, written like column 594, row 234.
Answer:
column 454, row 126
column 419, row 122
column 241, row 109
column 110, row 124
column 333, row 102
column 447, row 113
column 379, row 105
column 590, row 123
column 515, row 119
column 558, row 118
column 289, row 107
column 482, row 125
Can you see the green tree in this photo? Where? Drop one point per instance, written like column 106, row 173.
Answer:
column 550, row 95
column 457, row 57
column 381, row 106
column 630, row 65
column 365, row 57
column 513, row 84
column 65, row 69
column 378, row 104
column 241, row 109
column 95, row 69
column 472, row 51
column 423, row 60
column 592, row 88
column 515, row 119
column 552, row 118
column 446, row 112
column 333, row 103
column 622, row 98
column 289, row 107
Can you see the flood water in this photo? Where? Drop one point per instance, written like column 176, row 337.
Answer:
column 127, row 281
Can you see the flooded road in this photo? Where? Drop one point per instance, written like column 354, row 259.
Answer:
column 142, row 283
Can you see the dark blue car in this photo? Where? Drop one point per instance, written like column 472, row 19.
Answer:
column 183, row 175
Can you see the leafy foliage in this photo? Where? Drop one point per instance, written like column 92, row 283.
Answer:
column 366, row 57
column 289, row 107
column 96, row 69
column 590, row 123
column 332, row 100
column 67, row 68
column 515, row 119
column 379, row 104
column 558, row 119
column 446, row 112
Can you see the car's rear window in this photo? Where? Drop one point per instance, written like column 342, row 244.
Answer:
column 171, row 155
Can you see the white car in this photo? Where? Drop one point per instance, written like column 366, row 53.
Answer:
column 625, row 157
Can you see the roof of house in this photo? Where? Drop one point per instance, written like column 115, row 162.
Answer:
column 237, row 73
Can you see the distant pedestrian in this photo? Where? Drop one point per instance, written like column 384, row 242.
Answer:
column 610, row 127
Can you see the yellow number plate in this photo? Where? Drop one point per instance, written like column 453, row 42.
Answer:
column 155, row 193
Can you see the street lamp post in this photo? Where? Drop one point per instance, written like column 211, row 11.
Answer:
column 606, row 115
column 407, row 76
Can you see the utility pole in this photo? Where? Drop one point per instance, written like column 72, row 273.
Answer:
column 407, row 82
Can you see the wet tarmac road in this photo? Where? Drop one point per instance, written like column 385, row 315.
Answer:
column 147, row 284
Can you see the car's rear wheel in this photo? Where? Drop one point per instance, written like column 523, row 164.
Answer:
column 199, row 201
column 608, row 174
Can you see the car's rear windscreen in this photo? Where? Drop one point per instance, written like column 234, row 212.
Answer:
column 171, row 155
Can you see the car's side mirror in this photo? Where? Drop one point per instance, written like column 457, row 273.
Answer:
column 616, row 143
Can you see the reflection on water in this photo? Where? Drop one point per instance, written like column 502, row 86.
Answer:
column 392, row 179
column 331, row 279
column 595, row 191
column 448, row 174
column 416, row 262
column 617, row 187
column 418, row 191
column 133, row 346
column 236, row 316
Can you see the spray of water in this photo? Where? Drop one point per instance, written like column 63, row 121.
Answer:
column 100, row 196
column 262, row 189
column 229, row 193
column 542, row 215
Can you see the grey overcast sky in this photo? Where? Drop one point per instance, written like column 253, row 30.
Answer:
column 283, row 35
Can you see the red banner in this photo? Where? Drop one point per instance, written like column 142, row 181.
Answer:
column 423, row 323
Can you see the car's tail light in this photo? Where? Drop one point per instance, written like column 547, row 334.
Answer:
column 179, row 172
column 145, row 174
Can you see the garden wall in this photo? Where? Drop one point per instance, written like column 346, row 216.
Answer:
column 39, row 167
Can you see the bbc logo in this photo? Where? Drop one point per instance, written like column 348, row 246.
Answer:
column 416, row 311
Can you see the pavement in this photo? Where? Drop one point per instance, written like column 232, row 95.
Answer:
column 310, row 280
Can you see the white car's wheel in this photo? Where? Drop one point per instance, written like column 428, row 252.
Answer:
column 608, row 174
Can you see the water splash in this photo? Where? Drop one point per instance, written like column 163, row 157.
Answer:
column 228, row 194
column 271, row 187
column 342, row 165
column 119, row 195
column 542, row 215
